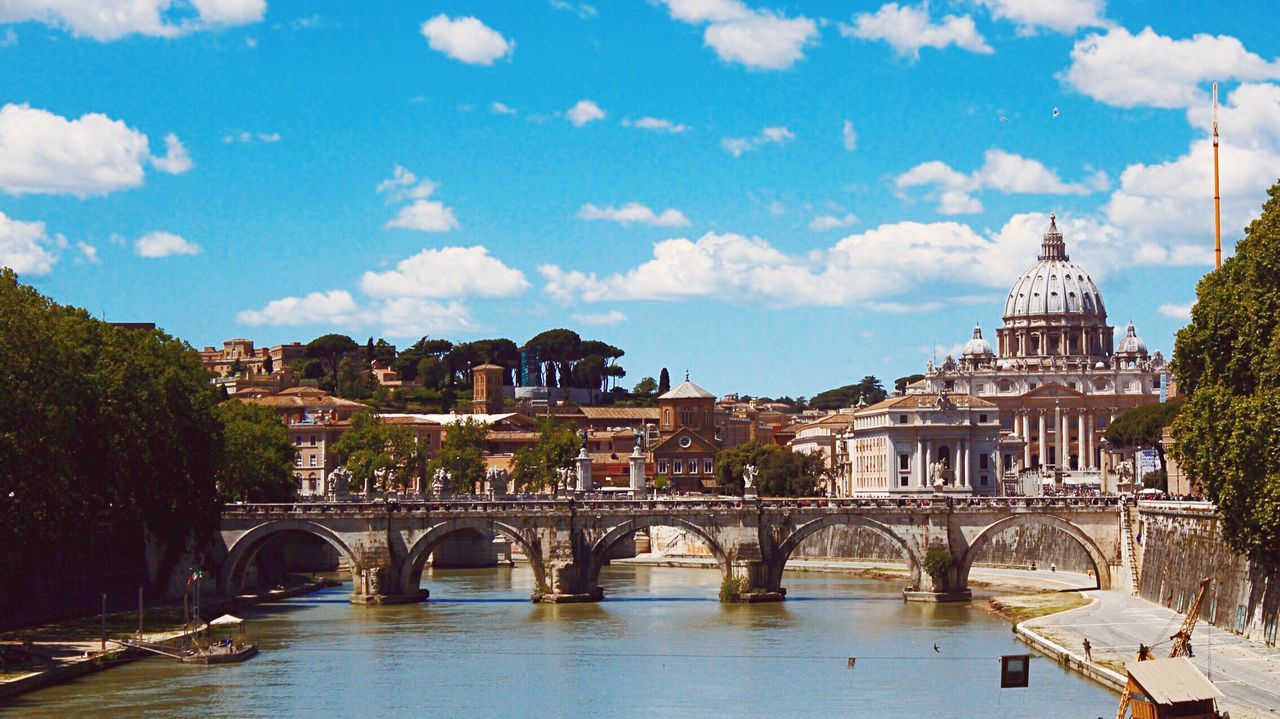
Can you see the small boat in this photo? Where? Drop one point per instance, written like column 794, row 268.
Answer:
column 228, row 651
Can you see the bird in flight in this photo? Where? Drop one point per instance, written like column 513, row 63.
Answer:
column 1055, row 112
column 936, row 649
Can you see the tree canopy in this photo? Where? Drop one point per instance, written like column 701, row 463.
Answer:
column 534, row 468
column 379, row 456
column 868, row 389
column 1227, row 362
column 782, row 473
column 462, row 455
column 1143, row 427
column 258, row 456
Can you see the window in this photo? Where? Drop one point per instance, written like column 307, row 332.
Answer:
column 1072, row 385
column 297, row 441
column 902, row 419
column 1005, row 385
column 982, row 419
column 677, row 466
column 904, row 461
column 297, row 459
column 666, row 417
column 903, row 481
column 313, row 461
column 950, row 385
column 1031, row 385
column 707, row 466
column 984, row 460
column 313, row 440
column 662, row 467
column 982, row 480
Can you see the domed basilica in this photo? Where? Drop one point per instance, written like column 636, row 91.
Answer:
column 1056, row 374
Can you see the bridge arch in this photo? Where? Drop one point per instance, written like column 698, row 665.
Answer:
column 807, row 529
column 599, row 551
column 244, row 549
column 416, row 559
column 1101, row 568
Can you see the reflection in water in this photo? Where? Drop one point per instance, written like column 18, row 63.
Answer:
column 661, row 645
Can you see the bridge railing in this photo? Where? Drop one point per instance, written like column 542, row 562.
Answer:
column 552, row 505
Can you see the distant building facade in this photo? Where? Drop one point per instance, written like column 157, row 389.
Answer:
column 686, row 450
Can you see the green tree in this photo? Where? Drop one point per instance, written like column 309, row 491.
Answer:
column 1143, row 428
column 534, row 468
column 900, row 384
column 268, row 365
column 664, row 382
column 868, row 389
column 462, row 455
column 430, row 372
column 1227, row 362
column 354, row 381
column 647, row 386
column 782, row 473
column 330, row 349
column 559, row 348
column 380, row 456
column 257, row 455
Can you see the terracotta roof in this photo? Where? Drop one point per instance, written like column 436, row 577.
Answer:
column 631, row 413
column 286, row 401
column 489, row 365
column 917, row 401
column 304, row 390
column 839, row 419
column 408, row 420
column 687, row 390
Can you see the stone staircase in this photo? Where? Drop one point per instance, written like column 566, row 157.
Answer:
column 1129, row 549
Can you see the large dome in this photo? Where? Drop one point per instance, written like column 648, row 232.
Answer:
column 1054, row 285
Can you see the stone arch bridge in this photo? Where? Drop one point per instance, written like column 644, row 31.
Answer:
column 567, row 541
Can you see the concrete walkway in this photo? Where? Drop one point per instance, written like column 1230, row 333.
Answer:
column 1247, row 672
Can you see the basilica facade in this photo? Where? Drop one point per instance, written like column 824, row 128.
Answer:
column 1056, row 374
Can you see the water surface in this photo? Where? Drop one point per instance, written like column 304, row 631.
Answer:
column 660, row 646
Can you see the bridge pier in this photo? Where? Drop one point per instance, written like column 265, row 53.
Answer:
column 570, row 584
column 754, row 583
column 371, row 584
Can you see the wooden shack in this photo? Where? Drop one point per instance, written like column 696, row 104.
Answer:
column 1162, row 688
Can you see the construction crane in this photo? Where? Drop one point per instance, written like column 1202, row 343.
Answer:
column 1181, row 639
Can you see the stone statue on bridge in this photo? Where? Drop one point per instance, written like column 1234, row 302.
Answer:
column 566, row 477
column 749, row 475
column 442, row 482
column 937, row 475
column 498, row 480
column 338, row 484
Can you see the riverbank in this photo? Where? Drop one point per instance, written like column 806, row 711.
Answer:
column 63, row 651
column 1246, row 671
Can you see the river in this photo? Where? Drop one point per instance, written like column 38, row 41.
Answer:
column 661, row 646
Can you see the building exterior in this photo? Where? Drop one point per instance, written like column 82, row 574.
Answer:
column 688, row 443
column 486, row 388
column 824, row 436
column 1055, row 375
column 242, row 353
column 315, row 419
column 920, row 444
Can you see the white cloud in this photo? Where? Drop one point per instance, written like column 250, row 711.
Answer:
column 424, row 294
column 44, row 153
column 89, row 251
column 501, row 108
column 583, row 10
column 336, row 307
column 604, row 319
column 757, row 39
column 822, row 223
column 1153, row 70
column 466, row 40
column 1177, row 312
column 176, row 160
column 231, row 12
column 881, row 268
column 1001, row 171
column 424, row 216
column 447, row 272
column 583, row 112
column 163, row 244
column 1064, row 16
column 849, row 136
column 907, row 29
column 107, row 20
column 421, row 213
column 9, row 39
column 634, row 212
column 655, row 124
column 26, row 248
column 736, row 146
column 1170, row 203
column 248, row 137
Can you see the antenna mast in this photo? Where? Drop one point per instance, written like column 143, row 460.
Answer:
column 1217, row 194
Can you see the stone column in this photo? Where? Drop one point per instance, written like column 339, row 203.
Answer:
column 1057, row 435
column 1026, row 440
column 964, row 462
column 928, row 461
column 1091, row 428
column 583, row 462
column 920, row 470
column 1044, row 457
column 637, row 484
column 1080, row 441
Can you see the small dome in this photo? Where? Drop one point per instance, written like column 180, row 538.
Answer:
column 977, row 347
column 1132, row 344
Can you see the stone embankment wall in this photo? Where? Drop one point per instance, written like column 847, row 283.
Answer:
column 1017, row 547
column 1180, row 545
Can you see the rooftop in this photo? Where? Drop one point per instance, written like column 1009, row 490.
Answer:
column 687, row 390
column 928, row 401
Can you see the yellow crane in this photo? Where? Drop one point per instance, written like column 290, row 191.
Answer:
column 1181, row 639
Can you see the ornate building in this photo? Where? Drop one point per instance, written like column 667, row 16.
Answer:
column 686, row 450
column 1055, row 375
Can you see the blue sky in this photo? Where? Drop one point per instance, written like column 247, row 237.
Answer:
column 779, row 197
